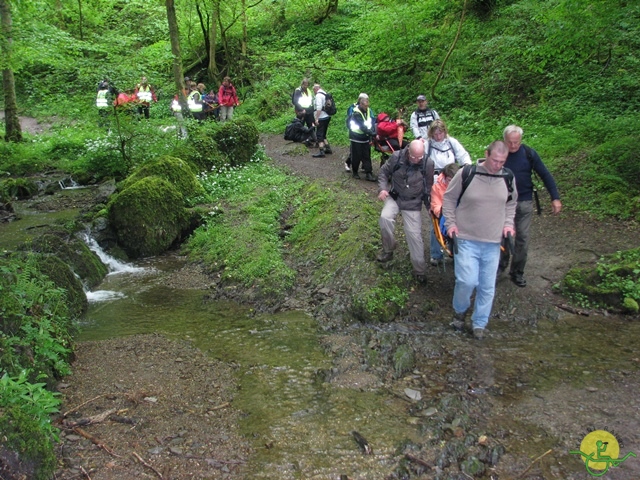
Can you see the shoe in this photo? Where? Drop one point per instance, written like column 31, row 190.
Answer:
column 519, row 280
column 370, row 178
column 308, row 143
column 420, row 278
column 328, row 150
column 356, row 176
column 320, row 154
column 458, row 321
column 384, row 257
column 478, row 333
column 436, row 261
column 347, row 167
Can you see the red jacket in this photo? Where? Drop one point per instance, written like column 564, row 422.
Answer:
column 227, row 96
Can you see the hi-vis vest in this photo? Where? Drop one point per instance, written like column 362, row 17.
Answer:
column 368, row 122
column 175, row 105
column 191, row 101
column 101, row 99
column 145, row 95
column 305, row 100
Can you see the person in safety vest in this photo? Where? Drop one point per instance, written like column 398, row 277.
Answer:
column 227, row 98
column 194, row 100
column 361, row 129
column 105, row 96
column 421, row 119
column 321, row 120
column 303, row 98
column 145, row 95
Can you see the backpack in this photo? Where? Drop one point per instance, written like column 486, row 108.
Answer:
column 469, row 171
column 329, row 104
column 289, row 132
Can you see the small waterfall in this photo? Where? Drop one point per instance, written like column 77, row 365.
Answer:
column 72, row 184
column 114, row 265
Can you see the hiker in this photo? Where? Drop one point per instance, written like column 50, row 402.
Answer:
column 227, row 98
column 391, row 132
column 361, row 130
column 145, row 95
column 422, row 118
column 321, row 122
column 443, row 150
column 440, row 185
column 347, row 162
column 477, row 218
column 104, row 100
column 523, row 161
column 210, row 105
column 303, row 98
column 194, row 101
column 297, row 131
column 404, row 183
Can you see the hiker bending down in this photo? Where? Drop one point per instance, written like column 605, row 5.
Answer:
column 404, row 183
column 479, row 207
column 523, row 161
column 297, row 131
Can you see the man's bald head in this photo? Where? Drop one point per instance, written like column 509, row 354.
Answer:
column 416, row 151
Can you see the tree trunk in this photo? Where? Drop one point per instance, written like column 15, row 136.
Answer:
column 213, row 40
column 13, row 131
column 244, row 29
column 178, row 75
column 204, row 26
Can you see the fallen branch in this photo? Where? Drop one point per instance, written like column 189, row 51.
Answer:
column 101, row 417
column 84, row 472
column 140, row 459
column 575, row 311
column 96, row 441
column 417, row 460
column 529, row 467
column 222, row 405
column 64, row 415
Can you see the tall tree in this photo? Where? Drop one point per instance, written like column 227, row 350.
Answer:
column 213, row 36
column 174, row 35
column 13, row 131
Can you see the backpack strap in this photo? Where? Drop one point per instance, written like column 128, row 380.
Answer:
column 469, row 171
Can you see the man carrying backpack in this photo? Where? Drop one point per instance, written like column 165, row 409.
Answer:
column 523, row 161
column 422, row 118
column 303, row 98
column 321, row 120
column 297, row 131
column 478, row 218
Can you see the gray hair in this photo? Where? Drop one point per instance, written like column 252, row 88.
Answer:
column 512, row 129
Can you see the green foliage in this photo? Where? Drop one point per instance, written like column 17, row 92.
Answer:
column 35, row 330
column 237, row 139
column 403, row 360
column 17, row 188
column 614, row 282
column 148, row 216
column 242, row 236
column 383, row 301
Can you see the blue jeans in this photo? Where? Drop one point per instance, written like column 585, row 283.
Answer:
column 434, row 247
column 475, row 267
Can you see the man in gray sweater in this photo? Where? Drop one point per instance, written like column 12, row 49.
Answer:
column 479, row 214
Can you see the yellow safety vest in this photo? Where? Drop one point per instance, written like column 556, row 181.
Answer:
column 191, row 101
column 101, row 99
column 144, row 93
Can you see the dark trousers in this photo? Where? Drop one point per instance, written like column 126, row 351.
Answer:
column 361, row 153
column 143, row 109
column 522, row 224
column 309, row 119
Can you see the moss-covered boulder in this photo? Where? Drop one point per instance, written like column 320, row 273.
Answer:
column 17, row 188
column 237, row 139
column 174, row 170
column 73, row 252
column 614, row 282
column 61, row 275
column 148, row 216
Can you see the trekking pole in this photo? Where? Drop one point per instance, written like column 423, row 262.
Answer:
column 537, row 199
column 511, row 243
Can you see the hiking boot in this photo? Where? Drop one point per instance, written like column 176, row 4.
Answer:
column 308, row 143
column 320, row 154
column 370, row 178
column 519, row 280
column 347, row 167
column 457, row 322
column 420, row 278
column 356, row 176
column 328, row 150
column 384, row 257
column 478, row 333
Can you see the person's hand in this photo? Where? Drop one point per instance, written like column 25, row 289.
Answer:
column 508, row 230
column 451, row 231
column 383, row 195
column 556, row 206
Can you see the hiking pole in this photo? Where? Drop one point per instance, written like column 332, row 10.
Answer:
column 511, row 243
column 535, row 195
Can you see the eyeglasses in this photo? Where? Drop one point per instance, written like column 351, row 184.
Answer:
column 411, row 157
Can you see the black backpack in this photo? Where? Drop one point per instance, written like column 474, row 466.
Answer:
column 329, row 104
column 469, row 171
column 289, row 132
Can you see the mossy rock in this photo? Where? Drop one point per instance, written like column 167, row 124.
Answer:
column 17, row 188
column 587, row 282
column 26, row 451
column 73, row 252
column 201, row 149
column 238, row 140
column 59, row 272
column 147, row 217
column 174, row 170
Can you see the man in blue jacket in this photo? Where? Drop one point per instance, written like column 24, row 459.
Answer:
column 523, row 161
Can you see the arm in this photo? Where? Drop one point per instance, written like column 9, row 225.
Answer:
column 384, row 177
column 413, row 123
column 459, row 152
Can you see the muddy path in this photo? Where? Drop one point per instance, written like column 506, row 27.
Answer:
column 534, row 388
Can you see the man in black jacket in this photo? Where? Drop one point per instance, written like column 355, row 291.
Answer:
column 404, row 183
column 297, row 131
column 361, row 130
